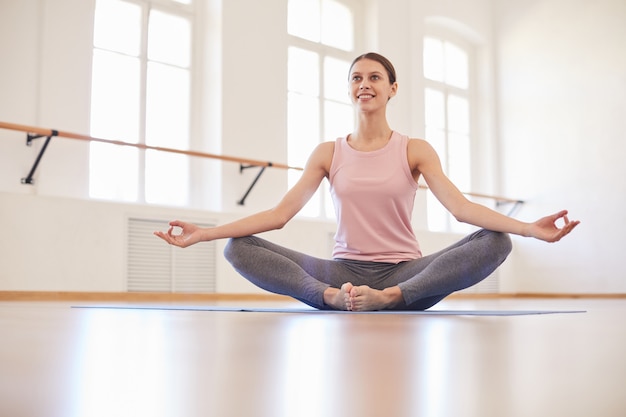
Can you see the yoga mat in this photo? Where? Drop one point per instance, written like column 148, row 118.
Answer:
column 314, row 311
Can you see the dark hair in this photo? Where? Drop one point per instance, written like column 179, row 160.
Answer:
column 391, row 71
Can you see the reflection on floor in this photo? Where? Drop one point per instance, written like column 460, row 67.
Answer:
column 59, row 361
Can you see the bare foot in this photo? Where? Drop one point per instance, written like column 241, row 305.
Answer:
column 364, row 298
column 338, row 298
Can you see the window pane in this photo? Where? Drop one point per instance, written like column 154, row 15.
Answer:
column 312, row 208
column 169, row 39
column 303, row 127
column 338, row 119
column 303, row 134
column 456, row 66
column 459, row 156
column 447, row 120
column 303, row 76
column 336, row 79
column 303, row 19
column 115, row 96
column 167, row 106
column 433, row 59
column 337, row 25
column 167, row 125
column 113, row 172
column 140, row 91
column 167, row 176
column 435, row 110
column 319, row 104
column 458, row 114
column 114, row 115
column 117, row 26
column 436, row 214
column 437, row 139
column 329, row 207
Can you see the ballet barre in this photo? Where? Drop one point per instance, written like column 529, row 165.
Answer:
column 33, row 133
column 500, row 201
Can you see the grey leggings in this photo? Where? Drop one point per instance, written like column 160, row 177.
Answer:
column 424, row 281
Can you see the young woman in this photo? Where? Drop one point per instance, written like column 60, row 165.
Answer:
column 377, row 263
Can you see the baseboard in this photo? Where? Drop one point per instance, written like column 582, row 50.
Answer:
column 134, row 296
column 212, row 297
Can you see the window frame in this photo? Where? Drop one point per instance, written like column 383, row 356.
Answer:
column 326, row 51
column 469, row 47
column 186, row 11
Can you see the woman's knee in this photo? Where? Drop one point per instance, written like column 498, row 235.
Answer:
column 230, row 249
column 503, row 242
column 498, row 242
column 235, row 247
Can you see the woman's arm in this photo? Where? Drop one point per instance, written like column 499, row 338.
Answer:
column 314, row 172
column 424, row 161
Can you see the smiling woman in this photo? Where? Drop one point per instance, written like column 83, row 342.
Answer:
column 377, row 263
column 373, row 83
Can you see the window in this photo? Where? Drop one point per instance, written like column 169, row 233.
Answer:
column 141, row 93
column 322, row 44
column 447, row 96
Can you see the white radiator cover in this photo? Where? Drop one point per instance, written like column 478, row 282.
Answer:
column 154, row 266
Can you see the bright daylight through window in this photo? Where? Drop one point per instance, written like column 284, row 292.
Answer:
column 141, row 94
column 322, row 44
column 447, row 106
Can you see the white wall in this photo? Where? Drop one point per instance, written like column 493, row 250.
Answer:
column 66, row 244
column 562, row 101
column 61, row 241
column 45, row 80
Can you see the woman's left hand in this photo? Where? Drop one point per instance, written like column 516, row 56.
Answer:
column 547, row 230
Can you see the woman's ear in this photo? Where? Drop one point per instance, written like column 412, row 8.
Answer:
column 394, row 90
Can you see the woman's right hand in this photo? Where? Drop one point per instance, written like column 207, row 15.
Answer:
column 189, row 235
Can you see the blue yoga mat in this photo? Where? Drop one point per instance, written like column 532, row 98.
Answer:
column 314, row 311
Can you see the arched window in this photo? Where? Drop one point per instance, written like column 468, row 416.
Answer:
column 322, row 44
column 449, row 111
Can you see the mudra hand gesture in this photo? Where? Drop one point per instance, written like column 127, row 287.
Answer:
column 189, row 234
column 547, row 230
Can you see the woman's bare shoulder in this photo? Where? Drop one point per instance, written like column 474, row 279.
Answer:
column 327, row 146
column 420, row 149
column 325, row 150
column 322, row 156
column 418, row 143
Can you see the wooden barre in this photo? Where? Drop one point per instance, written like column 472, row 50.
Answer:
column 479, row 195
column 251, row 162
column 77, row 136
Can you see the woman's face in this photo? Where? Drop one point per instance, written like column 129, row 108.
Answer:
column 369, row 85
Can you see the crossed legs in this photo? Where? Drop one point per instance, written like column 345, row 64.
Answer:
column 345, row 285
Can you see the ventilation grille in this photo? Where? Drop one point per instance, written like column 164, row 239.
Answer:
column 490, row 285
column 154, row 266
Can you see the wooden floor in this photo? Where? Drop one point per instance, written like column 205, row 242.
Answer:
column 57, row 360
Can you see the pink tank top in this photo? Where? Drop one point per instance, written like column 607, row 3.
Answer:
column 374, row 193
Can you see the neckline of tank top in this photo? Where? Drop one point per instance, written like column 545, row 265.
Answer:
column 372, row 152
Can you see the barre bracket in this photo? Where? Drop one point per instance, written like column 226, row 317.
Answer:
column 516, row 205
column 243, row 167
column 29, row 142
